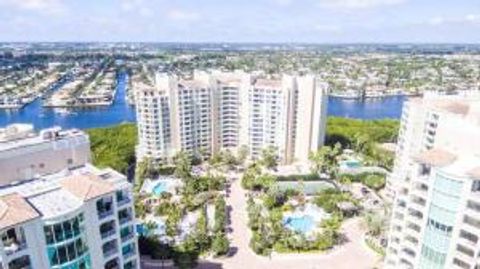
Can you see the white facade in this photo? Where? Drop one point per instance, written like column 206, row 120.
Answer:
column 435, row 220
column 25, row 154
column 218, row 110
column 78, row 218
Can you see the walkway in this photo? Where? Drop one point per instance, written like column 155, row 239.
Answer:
column 352, row 254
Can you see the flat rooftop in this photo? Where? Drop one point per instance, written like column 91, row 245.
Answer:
column 16, row 136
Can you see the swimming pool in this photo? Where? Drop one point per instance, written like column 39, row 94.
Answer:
column 351, row 164
column 160, row 188
column 303, row 224
column 159, row 228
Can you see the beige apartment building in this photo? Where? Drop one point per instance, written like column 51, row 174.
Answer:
column 217, row 110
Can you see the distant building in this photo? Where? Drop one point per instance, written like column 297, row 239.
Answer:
column 25, row 154
column 218, row 110
column 78, row 218
column 435, row 220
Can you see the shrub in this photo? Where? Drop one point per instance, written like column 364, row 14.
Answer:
column 329, row 198
column 220, row 244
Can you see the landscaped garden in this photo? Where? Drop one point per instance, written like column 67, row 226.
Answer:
column 289, row 217
column 183, row 221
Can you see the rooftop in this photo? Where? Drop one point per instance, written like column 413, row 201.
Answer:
column 20, row 135
column 436, row 157
column 193, row 83
column 268, row 83
column 453, row 106
column 474, row 173
column 56, row 194
column 87, row 186
column 14, row 209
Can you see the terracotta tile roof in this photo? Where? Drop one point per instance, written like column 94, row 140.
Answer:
column 455, row 107
column 436, row 157
column 86, row 187
column 15, row 210
column 474, row 173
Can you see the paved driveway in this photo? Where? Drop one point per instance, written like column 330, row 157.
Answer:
column 352, row 254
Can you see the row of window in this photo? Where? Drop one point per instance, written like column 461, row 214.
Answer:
column 66, row 230
column 66, row 253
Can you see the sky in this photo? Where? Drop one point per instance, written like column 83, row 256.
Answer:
column 311, row 21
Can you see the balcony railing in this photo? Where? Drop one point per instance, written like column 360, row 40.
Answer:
column 123, row 201
column 125, row 219
column 104, row 214
column 127, row 236
column 109, row 252
column 13, row 246
column 129, row 253
column 108, row 233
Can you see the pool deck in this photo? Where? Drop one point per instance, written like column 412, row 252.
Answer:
column 352, row 254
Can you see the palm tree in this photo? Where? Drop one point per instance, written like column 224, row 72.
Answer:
column 375, row 223
column 325, row 161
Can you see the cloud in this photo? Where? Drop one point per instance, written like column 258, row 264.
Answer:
column 358, row 4
column 136, row 6
column 475, row 18
column 48, row 7
column 282, row 3
column 441, row 20
column 328, row 28
column 182, row 15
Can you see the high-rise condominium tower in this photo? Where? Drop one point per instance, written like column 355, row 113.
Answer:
column 60, row 211
column 217, row 110
column 435, row 220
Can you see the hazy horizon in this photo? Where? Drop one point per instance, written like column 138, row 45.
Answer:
column 264, row 21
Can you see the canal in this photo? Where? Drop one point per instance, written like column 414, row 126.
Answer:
column 120, row 111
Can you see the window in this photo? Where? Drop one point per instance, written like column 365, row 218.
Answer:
column 63, row 231
column 476, row 186
column 107, row 229
column 465, row 250
column 112, row 264
column 109, row 248
column 20, row 263
column 439, row 226
column 130, row 265
column 433, row 256
column 471, row 221
column 461, row 263
column 468, row 236
column 104, row 207
column 425, row 170
column 473, row 205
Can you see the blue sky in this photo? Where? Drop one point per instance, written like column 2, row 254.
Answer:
column 318, row 21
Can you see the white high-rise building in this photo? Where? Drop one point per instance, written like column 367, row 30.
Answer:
column 78, row 218
column 435, row 221
column 56, row 209
column 218, row 110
